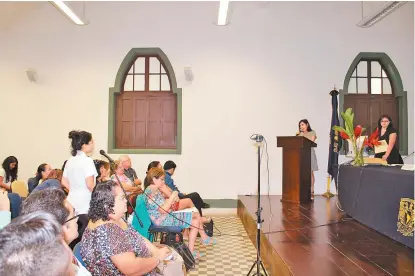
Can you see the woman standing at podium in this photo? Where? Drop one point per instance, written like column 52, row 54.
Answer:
column 306, row 131
column 388, row 133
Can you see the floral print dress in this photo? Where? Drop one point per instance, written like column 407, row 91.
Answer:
column 180, row 219
column 100, row 244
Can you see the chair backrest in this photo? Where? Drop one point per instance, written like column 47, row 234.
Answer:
column 142, row 213
column 77, row 253
column 19, row 187
column 31, row 184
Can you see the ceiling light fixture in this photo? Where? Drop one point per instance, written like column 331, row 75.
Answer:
column 68, row 12
column 223, row 12
column 384, row 11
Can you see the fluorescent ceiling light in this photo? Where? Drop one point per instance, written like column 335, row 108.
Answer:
column 68, row 12
column 223, row 12
column 384, row 11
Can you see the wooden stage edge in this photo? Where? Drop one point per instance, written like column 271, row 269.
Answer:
column 320, row 240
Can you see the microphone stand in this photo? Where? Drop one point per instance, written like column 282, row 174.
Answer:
column 113, row 166
column 258, row 138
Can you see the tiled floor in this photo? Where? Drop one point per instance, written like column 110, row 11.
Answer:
column 233, row 255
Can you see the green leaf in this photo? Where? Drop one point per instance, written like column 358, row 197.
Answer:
column 339, row 129
column 348, row 121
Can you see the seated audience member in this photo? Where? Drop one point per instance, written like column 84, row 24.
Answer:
column 159, row 210
column 8, row 173
column 53, row 200
column 125, row 163
column 166, row 191
column 153, row 164
column 42, row 172
column 170, row 168
column 53, row 180
column 103, row 169
column 5, row 215
column 10, row 206
column 109, row 245
column 129, row 186
column 32, row 245
column 15, row 204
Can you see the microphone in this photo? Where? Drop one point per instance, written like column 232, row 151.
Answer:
column 102, row 152
column 257, row 137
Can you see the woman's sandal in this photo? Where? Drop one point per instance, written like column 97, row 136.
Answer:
column 197, row 255
column 208, row 241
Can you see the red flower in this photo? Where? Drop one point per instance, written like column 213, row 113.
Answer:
column 358, row 131
column 344, row 135
column 373, row 139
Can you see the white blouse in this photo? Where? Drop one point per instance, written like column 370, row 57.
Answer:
column 77, row 169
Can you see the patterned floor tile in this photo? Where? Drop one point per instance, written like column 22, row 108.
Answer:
column 233, row 254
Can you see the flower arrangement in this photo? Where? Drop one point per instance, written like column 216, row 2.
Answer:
column 352, row 134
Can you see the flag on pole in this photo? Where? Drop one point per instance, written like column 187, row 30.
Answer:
column 335, row 140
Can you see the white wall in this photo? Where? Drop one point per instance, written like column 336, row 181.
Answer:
column 272, row 66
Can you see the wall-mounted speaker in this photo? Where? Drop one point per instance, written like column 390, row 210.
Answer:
column 32, row 75
column 188, row 74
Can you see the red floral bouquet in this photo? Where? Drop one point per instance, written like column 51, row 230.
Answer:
column 352, row 134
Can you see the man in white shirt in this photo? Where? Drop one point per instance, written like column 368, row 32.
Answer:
column 53, row 201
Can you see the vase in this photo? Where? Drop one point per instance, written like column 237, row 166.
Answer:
column 358, row 156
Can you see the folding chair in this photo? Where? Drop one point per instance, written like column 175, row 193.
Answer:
column 149, row 230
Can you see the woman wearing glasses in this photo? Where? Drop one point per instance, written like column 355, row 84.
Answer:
column 159, row 210
column 388, row 134
column 110, row 246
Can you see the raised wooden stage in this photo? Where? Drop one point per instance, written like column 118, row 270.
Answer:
column 344, row 247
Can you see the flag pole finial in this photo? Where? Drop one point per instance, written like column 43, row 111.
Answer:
column 334, row 91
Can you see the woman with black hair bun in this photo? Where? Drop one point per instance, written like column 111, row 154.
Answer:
column 79, row 177
column 387, row 133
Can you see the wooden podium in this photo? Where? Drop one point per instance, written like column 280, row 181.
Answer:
column 296, row 168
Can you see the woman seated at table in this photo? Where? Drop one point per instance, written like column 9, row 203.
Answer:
column 388, row 133
column 112, row 247
column 159, row 210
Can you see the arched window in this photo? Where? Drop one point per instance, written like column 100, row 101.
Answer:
column 373, row 87
column 369, row 78
column 145, row 105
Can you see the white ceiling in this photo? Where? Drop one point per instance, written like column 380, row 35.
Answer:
column 11, row 12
